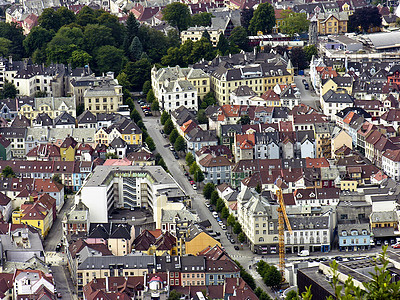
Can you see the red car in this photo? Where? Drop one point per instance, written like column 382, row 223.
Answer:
column 191, row 182
column 396, row 246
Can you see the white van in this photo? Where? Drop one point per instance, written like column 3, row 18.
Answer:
column 304, row 253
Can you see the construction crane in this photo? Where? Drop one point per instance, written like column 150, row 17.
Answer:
column 282, row 219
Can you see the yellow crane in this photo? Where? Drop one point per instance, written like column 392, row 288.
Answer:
column 282, row 219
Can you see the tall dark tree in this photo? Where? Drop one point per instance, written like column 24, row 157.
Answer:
column 138, row 72
column 112, row 22
column 14, row 33
column 9, row 91
column 245, row 16
column 97, row 36
column 37, row 38
column 136, row 48
column 298, row 58
column 206, row 35
column 364, row 18
column 86, row 16
column 109, row 58
column 222, row 45
column 131, row 29
column 202, row 19
column 239, row 38
column 177, row 15
column 263, row 19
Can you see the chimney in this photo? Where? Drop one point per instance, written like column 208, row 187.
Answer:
column 106, row 280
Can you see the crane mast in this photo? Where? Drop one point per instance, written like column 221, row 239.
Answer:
column 282, row 219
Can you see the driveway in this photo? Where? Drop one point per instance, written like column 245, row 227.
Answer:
column 308, row 97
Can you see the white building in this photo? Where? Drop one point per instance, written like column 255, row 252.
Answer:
column 110, row 187
column 175, row 86
column 391, row 163
column 332, row 103
column 32, row 283
column 195, row 34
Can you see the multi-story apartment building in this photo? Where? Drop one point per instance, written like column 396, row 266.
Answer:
column 103, row 99
column 195, row 34
column 260, row 72
column 17, row 137
column 332, row 23
column 52, row 106
column 175, row 86
column 391, row 163
column 112, row 187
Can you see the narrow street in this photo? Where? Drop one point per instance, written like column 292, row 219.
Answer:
column 308, row 97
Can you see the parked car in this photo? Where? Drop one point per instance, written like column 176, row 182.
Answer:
column 194, row 187
column 211, row 209
column 306, row 86
column 215, row 214
column 191, row 182
column 58, row 247
column 171, row 148
column 232, row 241
column 304, row 253
column 207, row 204
column 396, row 246
column 236, row 247
column 223, row 227
column 176, row 155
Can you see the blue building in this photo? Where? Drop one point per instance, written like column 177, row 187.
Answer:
column 218, row 270
column 354, row 237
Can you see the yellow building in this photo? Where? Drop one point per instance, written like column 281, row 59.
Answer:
column 332, row 23
column 339, row 139
column 260, row 77
column 103, row 99
column 200, row 242
column 323, row 134
column 338, row 84
column 52, row 106
column 68, row 148
column 35, row 215
column 348, row 185
column 384, row 219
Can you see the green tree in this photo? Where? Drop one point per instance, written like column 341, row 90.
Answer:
column 198, row 175
column 231, row 220
column 264, row 296
column 80, row 58
column 239, row 38
column 56, row 178
column 214, row 197
column 202, row 49
column 150, row 143
column 9, row 91
column 138, row 72
column 209, row 99
column 237, row 228
column 272, row 277
column 193, row 168
column 60, row 49
column 246, row 276
column 202, row 19
column 5, row 45
column 364, row 18
column 202, row 117
column 294, row 23
column 155, row 106
column 37, row 38
column 189, row 157
column 111, row 155
column 310, row 51
column 292, row 295
column 245, row 16
column 220, row 205
column 208, row 188
column 112, row 22
column 150, row 96
column 131, row 29
column 244, row 120
column 225, row 212
column 206, row 35
column 168, row 126
column 136, row 48
column 173, row 136
column 258, row 291
column 223, row 45
column 86, row 16
column 164, row 117
column 146, row 87
column 174, row 295
column 8, row 172
column 135, row 115
column 298, row 58
column 263, row 19
column 41, row 94
column 180, row 144
column 258, row 188
column 48, row 19
column 177, row 15
column 124, row 80
column 96, row 36
column 109, row 58
column 241, row 237
column 13, row 32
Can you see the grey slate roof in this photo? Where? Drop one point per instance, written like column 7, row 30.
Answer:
column 136, row 261
column 86, row 117
column 332, row 97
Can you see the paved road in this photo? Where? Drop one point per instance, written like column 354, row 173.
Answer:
column 308, row 97
column 63, row 282
column 244, row 256
column 55, row 234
